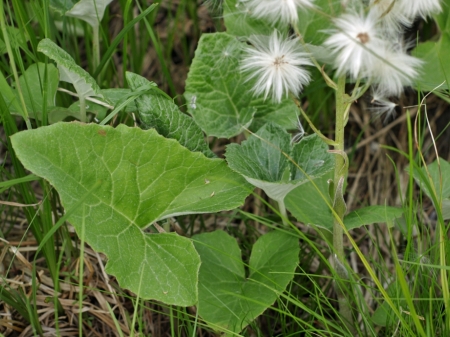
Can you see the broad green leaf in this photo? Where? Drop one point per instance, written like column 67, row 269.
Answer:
column 372, row 214
column 239, row 21
column 31, row 84
column 227, row 296
column 261, row 156
column 61, row 6
column 70, row 72
column 314, row 24
column 218, row 96
column 91, row 11
column 284, row 113
column 143, row 177
column 312, row 155
column 308, row 206
column 263, row 161
column 435, row 71
column 158, row 112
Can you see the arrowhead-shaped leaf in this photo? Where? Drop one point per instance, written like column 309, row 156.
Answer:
column 142, row 177
column 70, row 72
column 263, row 161
column 91, row 11
column 227, row 296
column 161, row 113
column 216, row 89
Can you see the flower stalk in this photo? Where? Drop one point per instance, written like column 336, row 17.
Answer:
column 340, row 175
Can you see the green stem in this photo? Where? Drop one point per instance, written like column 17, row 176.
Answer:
column 82, row 109
column 96, row 48
column 283, row 213
column 340, row 174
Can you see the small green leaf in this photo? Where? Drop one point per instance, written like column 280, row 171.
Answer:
column 143, row 178
column 158, row 112
column 227, row 296
column 31, row 84
column 216, row 91
column 117, row 95
column 263, row 161
column 70, row 72
column 91, row 11
column 372, row 214
column 312, row 155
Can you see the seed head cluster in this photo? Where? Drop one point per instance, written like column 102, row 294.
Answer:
column 365, row 44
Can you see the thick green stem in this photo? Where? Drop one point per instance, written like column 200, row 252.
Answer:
column 340, row 174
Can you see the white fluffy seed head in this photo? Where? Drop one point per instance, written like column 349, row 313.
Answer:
column 276, row 65
column 420, row 8
column 284, row 11
column 394, row 70
column 353, row 43
column 390, row 15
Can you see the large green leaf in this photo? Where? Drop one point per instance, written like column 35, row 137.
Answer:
column 32, row 86
column 263, row 161
column 239, row 21
column 159, row 112
column 218, row 96
column 70, row 72
column 284, row 113
column 142, row 177
column 227, row 296
column 91, row 11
